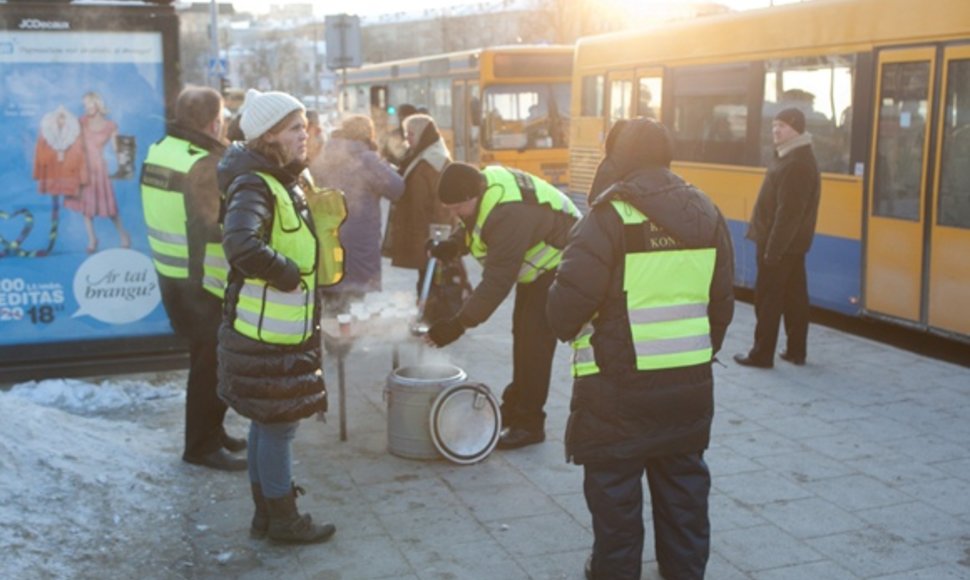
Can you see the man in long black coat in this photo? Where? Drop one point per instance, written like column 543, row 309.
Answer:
column 783, row 226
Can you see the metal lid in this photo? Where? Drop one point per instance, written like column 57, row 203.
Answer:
column 465, row 422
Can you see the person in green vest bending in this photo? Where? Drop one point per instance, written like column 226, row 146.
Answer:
column 180, row 199
column 645, row 295
column 516, row 225
column 269, row 341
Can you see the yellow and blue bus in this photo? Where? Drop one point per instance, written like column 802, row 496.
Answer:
column 501, row 105
column 885, row 88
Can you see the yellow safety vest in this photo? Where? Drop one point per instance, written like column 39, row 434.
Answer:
column 667, row 293
column 163, row 185
column 509, row 186
column 329, row 209
column 265, row 313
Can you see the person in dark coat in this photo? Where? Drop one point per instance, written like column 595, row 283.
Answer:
column 195, row 314
column 269, row 341
column 516, row 225
column 419, row 206
column 644, row 292
column 782, row 227
column 349, row 162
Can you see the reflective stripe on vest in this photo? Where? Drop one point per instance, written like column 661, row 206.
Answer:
column 667, row 294
column 509, row 186
column 269, row 315
column 215, row 270
column 163, row 185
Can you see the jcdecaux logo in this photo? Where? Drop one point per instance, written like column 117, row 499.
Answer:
column 37, row 24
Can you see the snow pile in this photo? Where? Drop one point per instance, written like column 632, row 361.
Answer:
column 84, row 398
column 80, row 491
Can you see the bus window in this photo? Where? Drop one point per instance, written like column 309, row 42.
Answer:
column 649, row 94
column 822, row 88
column 711, row 113
column 418, row 93
column 954, row 196
column 903, row 104
column 526, row 116
column 440, row 105
column 474, row 132
column 399, row 94
column 621, row 100
column 592, row 98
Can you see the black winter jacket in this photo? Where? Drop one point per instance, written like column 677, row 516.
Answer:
column 623, row 413
column 784, row 216
column 264, row 382
column 509, row 231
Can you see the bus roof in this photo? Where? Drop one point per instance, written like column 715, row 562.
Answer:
column 452, row 63
column 792, row 29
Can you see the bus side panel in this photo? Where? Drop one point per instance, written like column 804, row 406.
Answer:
column 834, row 262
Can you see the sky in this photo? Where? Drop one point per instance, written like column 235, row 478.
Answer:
column 379, row 7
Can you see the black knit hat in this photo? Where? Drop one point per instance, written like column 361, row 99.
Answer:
column 793, row 117
column 460, row 182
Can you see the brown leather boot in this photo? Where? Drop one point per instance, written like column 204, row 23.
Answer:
column 287, row 525
column 260, row 524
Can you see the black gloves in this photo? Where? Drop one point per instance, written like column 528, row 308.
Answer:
column 445, row 332
column 444, row 250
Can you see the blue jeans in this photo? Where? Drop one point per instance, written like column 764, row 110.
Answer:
column 270, row 461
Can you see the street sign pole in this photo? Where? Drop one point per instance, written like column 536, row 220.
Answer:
column 214, row 79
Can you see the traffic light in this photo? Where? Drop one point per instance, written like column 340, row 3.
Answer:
column 391, row 110
column 223, row 86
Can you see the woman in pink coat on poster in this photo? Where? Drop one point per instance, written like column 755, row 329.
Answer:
column 97, row 196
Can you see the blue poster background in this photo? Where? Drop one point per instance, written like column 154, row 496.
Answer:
column 69, row 294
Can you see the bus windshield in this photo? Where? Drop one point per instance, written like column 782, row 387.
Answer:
column 525, row 116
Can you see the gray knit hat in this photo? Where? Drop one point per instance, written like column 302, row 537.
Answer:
column 262, row 111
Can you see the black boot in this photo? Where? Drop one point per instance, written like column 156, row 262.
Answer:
column 260, row 524
column 287, row 525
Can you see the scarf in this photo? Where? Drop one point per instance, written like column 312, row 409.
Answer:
column 429, row 148
column 60, row 129
column 793, row 143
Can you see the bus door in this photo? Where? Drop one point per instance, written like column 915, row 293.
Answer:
column 460, row 120
column 896, row 220
column 949, row 249
column 619, row 97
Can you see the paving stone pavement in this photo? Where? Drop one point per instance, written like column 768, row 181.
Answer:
column 853, row 466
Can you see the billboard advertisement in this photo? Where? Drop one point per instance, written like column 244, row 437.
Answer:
column 79, row 109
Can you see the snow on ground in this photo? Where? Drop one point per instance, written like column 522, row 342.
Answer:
column 85, row 491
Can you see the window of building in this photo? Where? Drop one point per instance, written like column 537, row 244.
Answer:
column 710, row 121
column 821, row 87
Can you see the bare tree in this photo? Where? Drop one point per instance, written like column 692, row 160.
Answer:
column 568, row 19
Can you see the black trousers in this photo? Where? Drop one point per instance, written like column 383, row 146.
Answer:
column 204, row 410
column 533, row 346
column 780, row 290
column 679, row 488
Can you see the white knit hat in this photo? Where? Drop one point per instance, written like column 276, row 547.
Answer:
column 261, row 111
